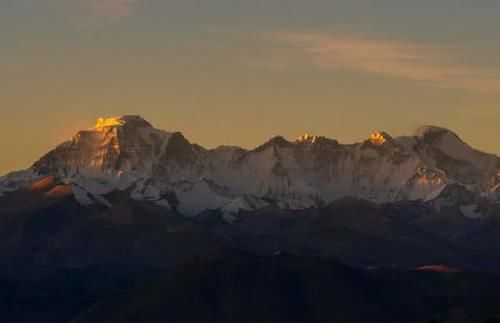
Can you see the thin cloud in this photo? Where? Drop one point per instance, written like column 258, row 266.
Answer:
column 104, row 11
column 416, row 62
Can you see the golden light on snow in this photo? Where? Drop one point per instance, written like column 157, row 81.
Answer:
column 108, row 122
column 307, row 138
column 377, row 139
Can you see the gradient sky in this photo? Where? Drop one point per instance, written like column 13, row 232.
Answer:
column 240, row 71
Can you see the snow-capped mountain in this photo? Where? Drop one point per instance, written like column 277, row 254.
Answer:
column 128, row 154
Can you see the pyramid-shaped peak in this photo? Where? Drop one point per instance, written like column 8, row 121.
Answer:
column 129, row 120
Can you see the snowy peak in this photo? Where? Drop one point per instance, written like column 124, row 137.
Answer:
column 306, row 138
column 129, row 120
column 378, row 138
column 445, row 150
column 127, row 143
column 447, row 141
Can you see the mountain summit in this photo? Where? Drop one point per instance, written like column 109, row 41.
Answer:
column 127, row 154
column 133, row 121
column 113, row 146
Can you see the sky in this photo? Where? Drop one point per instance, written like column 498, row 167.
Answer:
column 237, row 72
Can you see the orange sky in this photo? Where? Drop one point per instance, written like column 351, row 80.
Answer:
column 239, row 72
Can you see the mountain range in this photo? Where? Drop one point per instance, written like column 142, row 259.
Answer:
column 128, row 154
column 128, row 223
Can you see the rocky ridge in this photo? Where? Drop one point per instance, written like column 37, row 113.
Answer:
column 128, row 154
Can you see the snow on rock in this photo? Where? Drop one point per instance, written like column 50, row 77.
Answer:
column 425, row 184
column 201, row 195
column 470, row 211
column 128, row 154
column 377, row 139
column 81, row 195
column 241, row 203
column 443, row 149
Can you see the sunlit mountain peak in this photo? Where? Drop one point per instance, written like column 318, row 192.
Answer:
column 132, row 120
column 108, row 122
column 307, row 138
column 377, row 139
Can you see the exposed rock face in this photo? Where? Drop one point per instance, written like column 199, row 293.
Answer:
column 127, row 153
column 128, row 144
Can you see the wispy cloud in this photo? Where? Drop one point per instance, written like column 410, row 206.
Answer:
column 430, row 64
column 104, row 11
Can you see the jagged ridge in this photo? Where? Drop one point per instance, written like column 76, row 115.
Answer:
column 129, row 154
